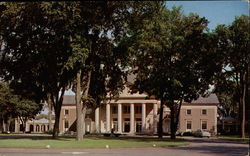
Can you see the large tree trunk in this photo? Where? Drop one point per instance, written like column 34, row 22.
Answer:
column 172, row 123
column 1, row 124
column 239, row 86
column 160, row 125
column 244, row 105
column 50, row 110
column 81, row 107
column 57, row 107
column 5, row 125
column 248, row 100
column 56, row 125
column 174, row 114
column 23, row 123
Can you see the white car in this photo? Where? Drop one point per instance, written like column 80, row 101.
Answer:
column 202, row 133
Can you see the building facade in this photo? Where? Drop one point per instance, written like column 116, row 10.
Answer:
column 136, row 114
column 33, row 126
column 131, row 114
column 199, row 114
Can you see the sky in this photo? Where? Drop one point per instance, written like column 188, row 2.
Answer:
column 217, row 12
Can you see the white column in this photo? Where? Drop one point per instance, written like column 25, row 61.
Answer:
column 16, row 126
column 143, row 119
column 155, row 109
column 108, row 117
column 119, row 118
column 215, row 121
column 132, row 118
column 97, row 121
column 26, row 127
column 34, row 127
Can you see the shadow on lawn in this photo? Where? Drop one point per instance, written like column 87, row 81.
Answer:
column 31, row 137
column 69, row 138
column 137, row 139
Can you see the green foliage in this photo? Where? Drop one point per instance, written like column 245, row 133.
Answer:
column 233, row 45
column 7, row 101
column 12, row 105
column 228, row 98
column 46, row 43
column 172, row 57
column 40, row 116
column 169, row 51
column 26, row 109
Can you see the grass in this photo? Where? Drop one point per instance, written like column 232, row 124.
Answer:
column 91, row 142
column 235, row 138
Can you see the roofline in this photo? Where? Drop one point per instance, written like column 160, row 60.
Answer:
column 184, row 104
column 200, row 104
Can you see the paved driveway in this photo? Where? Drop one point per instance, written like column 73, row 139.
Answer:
column 198, row 147
column 214, row 147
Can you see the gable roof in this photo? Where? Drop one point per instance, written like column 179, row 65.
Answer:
column 211, row 99
column 69, row 99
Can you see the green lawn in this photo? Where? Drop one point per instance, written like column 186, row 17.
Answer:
column 91, row 142
column 235, row 138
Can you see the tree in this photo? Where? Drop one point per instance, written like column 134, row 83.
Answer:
column 170, row 59
column 228, row 98
column 233, row 43
column 13, row 106
column 7, row 102
column 37, row 48
column 70, row 38
column 97, row 57
column 26, row 109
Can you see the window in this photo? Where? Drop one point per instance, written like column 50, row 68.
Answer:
column 138, row 109
column 203, row 124
column 66, row 124
column 188, row 111
column 189, row 125
column 126, row 110
column 138, row 127
column 138, row 119
column 66, row 112
column 114, row 110
column 204, row 112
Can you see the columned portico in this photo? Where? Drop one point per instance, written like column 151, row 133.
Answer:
column 119, row 118
column 155, row 109
column 97, row 119
column 108, row 117
column 132, row 118
column 143, row 119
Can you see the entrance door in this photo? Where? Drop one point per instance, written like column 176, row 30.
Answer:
column 138, row 125
column 31, row 128
column 126, row 125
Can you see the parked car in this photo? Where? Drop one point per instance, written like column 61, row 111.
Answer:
column 202, row 133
